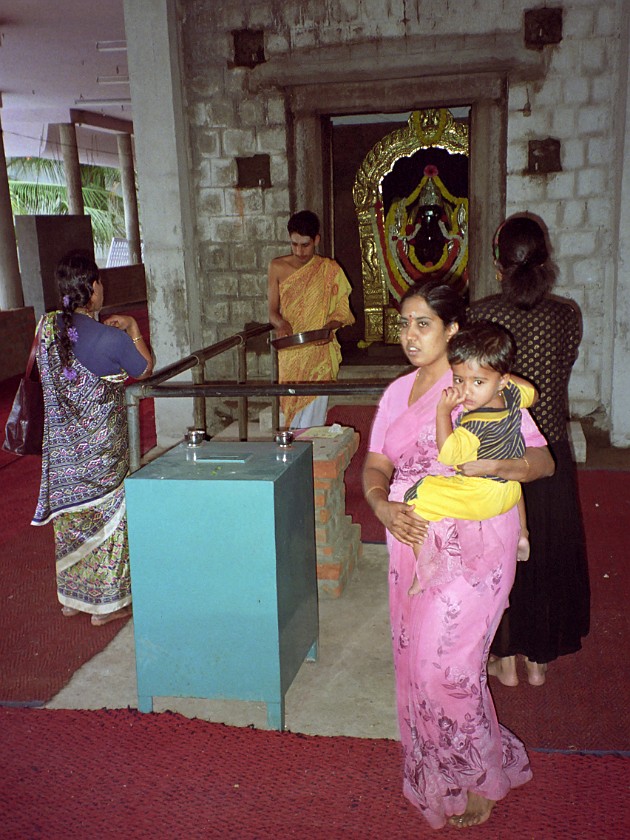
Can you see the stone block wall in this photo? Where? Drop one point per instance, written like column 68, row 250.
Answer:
column 240, row 230
column 577, row 104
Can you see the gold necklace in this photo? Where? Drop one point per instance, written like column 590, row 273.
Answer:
column 82, row 311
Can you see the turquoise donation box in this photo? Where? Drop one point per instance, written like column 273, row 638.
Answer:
column 223, row 572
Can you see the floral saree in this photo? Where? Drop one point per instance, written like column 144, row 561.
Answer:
column 452, row 741
column 84, row 463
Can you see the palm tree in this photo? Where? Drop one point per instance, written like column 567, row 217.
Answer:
column 37, row 186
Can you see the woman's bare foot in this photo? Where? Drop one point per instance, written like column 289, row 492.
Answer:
column 69, row 611
column 536, row 672
column 522, row 550
column 99, row 620
column 504, row 669
column 415, row 588
column 478, row 810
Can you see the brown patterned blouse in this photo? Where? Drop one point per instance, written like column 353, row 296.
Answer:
column 547, row 339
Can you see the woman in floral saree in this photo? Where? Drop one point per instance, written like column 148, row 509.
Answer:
column 83, row 365
column 458, row 760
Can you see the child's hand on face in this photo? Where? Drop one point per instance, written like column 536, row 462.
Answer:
column 449, row 399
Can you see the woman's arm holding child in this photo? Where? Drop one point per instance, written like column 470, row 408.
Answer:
column 529, row 392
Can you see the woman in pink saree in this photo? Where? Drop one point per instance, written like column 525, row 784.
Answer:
column 458, row 760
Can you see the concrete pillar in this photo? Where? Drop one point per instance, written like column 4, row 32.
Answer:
column 168, row 216
column 486, row 190
column 10, row 282
column 72, row 169
column 616, row 393
column 130, row 200
column 309, row 190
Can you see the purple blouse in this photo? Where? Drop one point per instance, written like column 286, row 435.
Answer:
column 105, row 350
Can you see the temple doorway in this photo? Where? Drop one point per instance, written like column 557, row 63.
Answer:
column 410, row 221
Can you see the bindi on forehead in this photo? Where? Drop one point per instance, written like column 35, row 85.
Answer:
column 416, row 313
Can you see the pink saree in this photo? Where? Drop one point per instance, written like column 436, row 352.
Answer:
column 452, row 741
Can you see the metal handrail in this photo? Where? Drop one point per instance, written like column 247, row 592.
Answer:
column 199, row 389
column 201, row 356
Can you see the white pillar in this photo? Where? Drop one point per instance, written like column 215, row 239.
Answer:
column 130, row 201
column 72, row 168
column 168, row 220
column 10, row 282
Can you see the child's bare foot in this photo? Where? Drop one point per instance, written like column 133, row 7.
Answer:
column 415, row 588
column 478, row 810
column 504, row 669
column 536, row 672
column 522, row 549
column 69, row 611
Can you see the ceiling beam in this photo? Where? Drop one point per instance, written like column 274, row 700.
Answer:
column 80, row 117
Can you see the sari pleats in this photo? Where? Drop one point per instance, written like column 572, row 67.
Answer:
column 84, row 463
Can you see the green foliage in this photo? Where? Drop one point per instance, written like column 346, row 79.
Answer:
column 37, row 187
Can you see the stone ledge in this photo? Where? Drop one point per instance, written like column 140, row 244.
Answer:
column 577, row 441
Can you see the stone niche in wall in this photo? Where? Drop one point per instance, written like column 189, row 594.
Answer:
column 249, row 47
column 542, row 27
column 543, row 156
column 254, row 171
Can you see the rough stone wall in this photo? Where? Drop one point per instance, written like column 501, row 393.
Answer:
column 240, row 230
column 577, row 105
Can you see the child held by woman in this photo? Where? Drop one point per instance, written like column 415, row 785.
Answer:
column 481, row 357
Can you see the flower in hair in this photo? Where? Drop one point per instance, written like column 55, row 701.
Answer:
column 70, row 374
column 73, row 335
column 66, row 301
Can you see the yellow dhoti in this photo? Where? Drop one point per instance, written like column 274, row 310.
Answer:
column 311, row 297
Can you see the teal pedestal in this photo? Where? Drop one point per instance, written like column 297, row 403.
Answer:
column 223, row 572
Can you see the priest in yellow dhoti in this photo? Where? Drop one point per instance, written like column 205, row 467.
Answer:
column 307, row 292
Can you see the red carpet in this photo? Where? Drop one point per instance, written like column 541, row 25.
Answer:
column 360, row 418
column 121, row 774
column 584, row 703
column 39, row 649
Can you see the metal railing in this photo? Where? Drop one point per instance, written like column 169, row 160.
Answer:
column 200, row 388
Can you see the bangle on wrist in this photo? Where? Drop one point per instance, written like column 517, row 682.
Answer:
column 136, row 339
column 375, row 487
column 526, row 463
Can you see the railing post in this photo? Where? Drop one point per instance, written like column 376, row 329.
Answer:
column 275, row 401
column 199, row 403
column 133, row 430
column 241, row 377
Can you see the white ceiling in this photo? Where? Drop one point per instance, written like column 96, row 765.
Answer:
column 50, row 63
column 54, row 57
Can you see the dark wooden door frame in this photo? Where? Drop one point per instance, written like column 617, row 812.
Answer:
column 485, row 94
